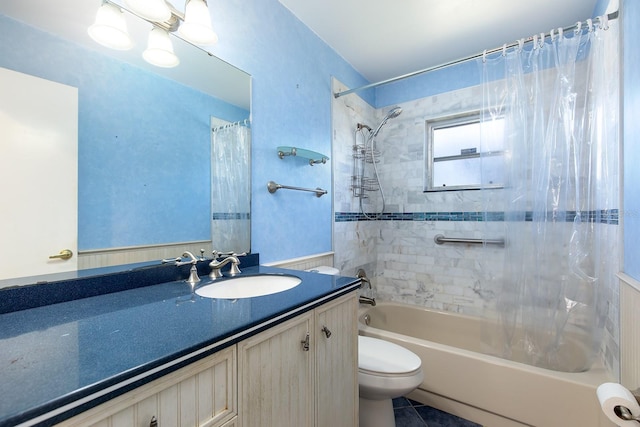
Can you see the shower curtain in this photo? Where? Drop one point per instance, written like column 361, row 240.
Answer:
column 557, row 101
column 230, row 161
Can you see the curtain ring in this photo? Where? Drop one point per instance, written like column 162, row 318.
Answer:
column 552, row 34
column 504, row 49
column 605, row 22
column 541, row 40
column 560, row 34
column 535, row 42
column 578, row 27
column 484, row 56
column 520, row 45
column 590, row 24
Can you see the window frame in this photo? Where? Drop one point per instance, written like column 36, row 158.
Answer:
column 445, row 122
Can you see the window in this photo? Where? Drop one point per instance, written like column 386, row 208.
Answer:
column 456, row 160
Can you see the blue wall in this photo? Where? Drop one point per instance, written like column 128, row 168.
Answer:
column 291, row 71
column 444, row 80
column 631, row 137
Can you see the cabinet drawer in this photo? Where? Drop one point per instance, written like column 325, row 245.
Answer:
column 200, row 394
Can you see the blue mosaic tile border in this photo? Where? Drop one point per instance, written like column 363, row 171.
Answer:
column 597, row 216
column 231, row 215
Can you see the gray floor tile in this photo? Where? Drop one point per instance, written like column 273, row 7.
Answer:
column 409, row 413
column 407, row 417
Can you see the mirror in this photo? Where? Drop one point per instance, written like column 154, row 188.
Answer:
column 144, row 133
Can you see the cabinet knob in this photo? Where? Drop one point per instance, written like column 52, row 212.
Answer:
column 153, row 422
column 305, row 343
column 327, row 332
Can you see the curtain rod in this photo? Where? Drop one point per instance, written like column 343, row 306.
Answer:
column 244, row 122
column 610, row 16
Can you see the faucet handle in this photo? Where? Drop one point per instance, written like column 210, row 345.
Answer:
column 233, row 270
column 217, row 254
column 363, row 278
column 168, row 260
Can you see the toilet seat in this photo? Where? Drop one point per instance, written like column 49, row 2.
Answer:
column 384, row 358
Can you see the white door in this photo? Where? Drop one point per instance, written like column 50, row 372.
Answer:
column 39, row 175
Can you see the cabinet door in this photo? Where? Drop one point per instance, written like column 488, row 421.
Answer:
column 276, row 376
column 336, row 330
column 201, row 394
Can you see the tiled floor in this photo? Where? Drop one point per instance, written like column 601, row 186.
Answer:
column 409, row 413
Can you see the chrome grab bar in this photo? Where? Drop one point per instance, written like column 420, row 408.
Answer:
column 440, row 239
column 273, row 187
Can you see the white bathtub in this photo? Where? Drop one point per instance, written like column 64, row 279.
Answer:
column 489, row 390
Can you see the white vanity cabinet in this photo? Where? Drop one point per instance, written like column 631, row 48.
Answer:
column 302, row 372
column 201, row 394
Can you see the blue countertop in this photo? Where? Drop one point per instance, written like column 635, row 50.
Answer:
column 52, row 356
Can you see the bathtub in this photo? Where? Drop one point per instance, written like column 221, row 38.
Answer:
column 485, row 389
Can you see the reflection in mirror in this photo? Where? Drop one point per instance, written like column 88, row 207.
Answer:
column 144, row 133
column 231, row 186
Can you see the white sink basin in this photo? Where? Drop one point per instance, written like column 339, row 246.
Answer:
column 248, row 286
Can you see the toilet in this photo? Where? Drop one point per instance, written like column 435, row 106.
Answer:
column 385, row 371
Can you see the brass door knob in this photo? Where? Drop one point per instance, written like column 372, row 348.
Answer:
column 64, row 254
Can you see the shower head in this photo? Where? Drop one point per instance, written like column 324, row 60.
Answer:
column 392, row 114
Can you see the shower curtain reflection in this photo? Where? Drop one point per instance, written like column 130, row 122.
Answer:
column 231, row 187
column 559, row 100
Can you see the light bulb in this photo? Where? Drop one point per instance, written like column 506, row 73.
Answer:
column 110, row 28
column 159, row 50
column 196, row 27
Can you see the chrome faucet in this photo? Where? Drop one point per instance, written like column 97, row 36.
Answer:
column 367, row 300
column 365, row 280
column 193, row 273
column 216, row 266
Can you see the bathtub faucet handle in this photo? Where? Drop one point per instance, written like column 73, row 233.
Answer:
column 363, row 278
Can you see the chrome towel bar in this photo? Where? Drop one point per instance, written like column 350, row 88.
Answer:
column 440, row 239
column 273, row 187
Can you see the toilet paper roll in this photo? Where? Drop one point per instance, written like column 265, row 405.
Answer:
column 612, row 395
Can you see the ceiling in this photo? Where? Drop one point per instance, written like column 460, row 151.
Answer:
column 383, row 39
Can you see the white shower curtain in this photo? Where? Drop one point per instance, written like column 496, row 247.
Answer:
column 230, row 161
column 559, row 103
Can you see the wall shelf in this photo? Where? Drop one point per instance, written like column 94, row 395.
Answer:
column 312, row 156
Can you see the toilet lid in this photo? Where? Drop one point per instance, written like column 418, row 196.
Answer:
column 385, row 357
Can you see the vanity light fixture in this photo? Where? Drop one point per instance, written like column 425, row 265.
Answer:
column 194, row 26
column 151, row 10
column 159, row 50
column 110, row 28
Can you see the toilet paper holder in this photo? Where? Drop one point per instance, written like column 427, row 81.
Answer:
column 625, row 414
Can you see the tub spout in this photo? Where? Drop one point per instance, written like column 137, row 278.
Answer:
column 367, row 300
